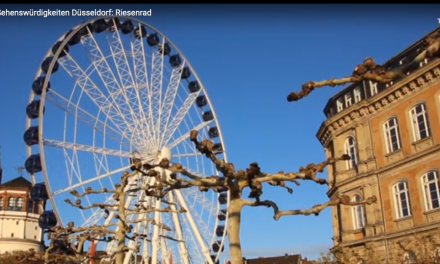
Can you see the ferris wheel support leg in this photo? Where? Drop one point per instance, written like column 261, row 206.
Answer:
column 112, row 245
column 145, row 253
column 182, row 249
column 193, row 225
column 132, row 244
column 164, row 250
column 155, row 238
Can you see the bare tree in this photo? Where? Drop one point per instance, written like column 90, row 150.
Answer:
column 74, row 238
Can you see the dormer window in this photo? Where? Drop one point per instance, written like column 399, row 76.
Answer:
column 373, row 88
column 347, row 99
column 339, row 105
column 357, row 94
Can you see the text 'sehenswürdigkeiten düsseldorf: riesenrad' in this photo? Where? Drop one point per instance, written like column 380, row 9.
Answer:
column 75, row 12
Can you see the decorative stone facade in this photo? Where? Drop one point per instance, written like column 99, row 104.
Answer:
column 19, row 228
column 395, row 141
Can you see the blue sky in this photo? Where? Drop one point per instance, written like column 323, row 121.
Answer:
column 249, row 59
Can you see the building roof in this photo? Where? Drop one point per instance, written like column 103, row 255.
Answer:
column 19, row 182
column 286, row 259
column 386, row 65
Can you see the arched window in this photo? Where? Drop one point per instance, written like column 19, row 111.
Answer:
column 11, row 203
column 19, row 204
column 350, row 149
column 391, row 131
column 402, row 199
column 420, row 122
column 358, row 213
column 1, row 203
column 431, row 190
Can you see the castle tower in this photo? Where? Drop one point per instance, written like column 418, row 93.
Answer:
column 19, row 228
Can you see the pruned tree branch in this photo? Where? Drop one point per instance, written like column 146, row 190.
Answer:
column 316, row 209
column 369, row 70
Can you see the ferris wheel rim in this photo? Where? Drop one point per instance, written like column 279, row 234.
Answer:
column 65, row 39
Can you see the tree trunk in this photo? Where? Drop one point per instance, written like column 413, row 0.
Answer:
column 120, row 233
column 121, row 245
column 234, row 216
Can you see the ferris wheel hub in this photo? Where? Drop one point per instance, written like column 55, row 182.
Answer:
column 163, row 153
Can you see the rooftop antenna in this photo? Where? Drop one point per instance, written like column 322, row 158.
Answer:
column 20, row 170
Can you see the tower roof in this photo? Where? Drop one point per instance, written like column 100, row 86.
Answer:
column 19, row 182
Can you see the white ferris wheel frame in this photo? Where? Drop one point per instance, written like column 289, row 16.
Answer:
column 42, row 143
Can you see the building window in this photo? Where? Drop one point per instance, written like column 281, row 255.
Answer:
column 19, row 204
column 373, row 88
column 11, row 203
column 420, row 122
column 347, row 99
column 357, row 94
column 431, row 190
column 339, row 105
column 350, row 149
column 358, row 213
column 392, row 139
column 401, row 199
column 1, row 203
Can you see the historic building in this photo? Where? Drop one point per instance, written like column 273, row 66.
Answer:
column 286, row 259
column 392, row 133
column 19, row 215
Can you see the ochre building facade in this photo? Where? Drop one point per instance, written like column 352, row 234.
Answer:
column 392, row 133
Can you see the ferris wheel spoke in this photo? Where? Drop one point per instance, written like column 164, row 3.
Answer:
column 178, row 156
column 73, row 163
column 107, row 77
column 168, row 101
column 110, row 109
column 186, row 136
column 102, row 176
column 85, row 117
column 141, row 80
column 85, row 148
column 177, row 119
column 156, row 88
column 98, row 214
column 128, row 90
column 202, row 201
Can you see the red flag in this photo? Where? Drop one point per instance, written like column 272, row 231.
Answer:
column 171, row 257
column 92, row 252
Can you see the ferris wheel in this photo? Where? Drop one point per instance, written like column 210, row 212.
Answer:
column 111, row 90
